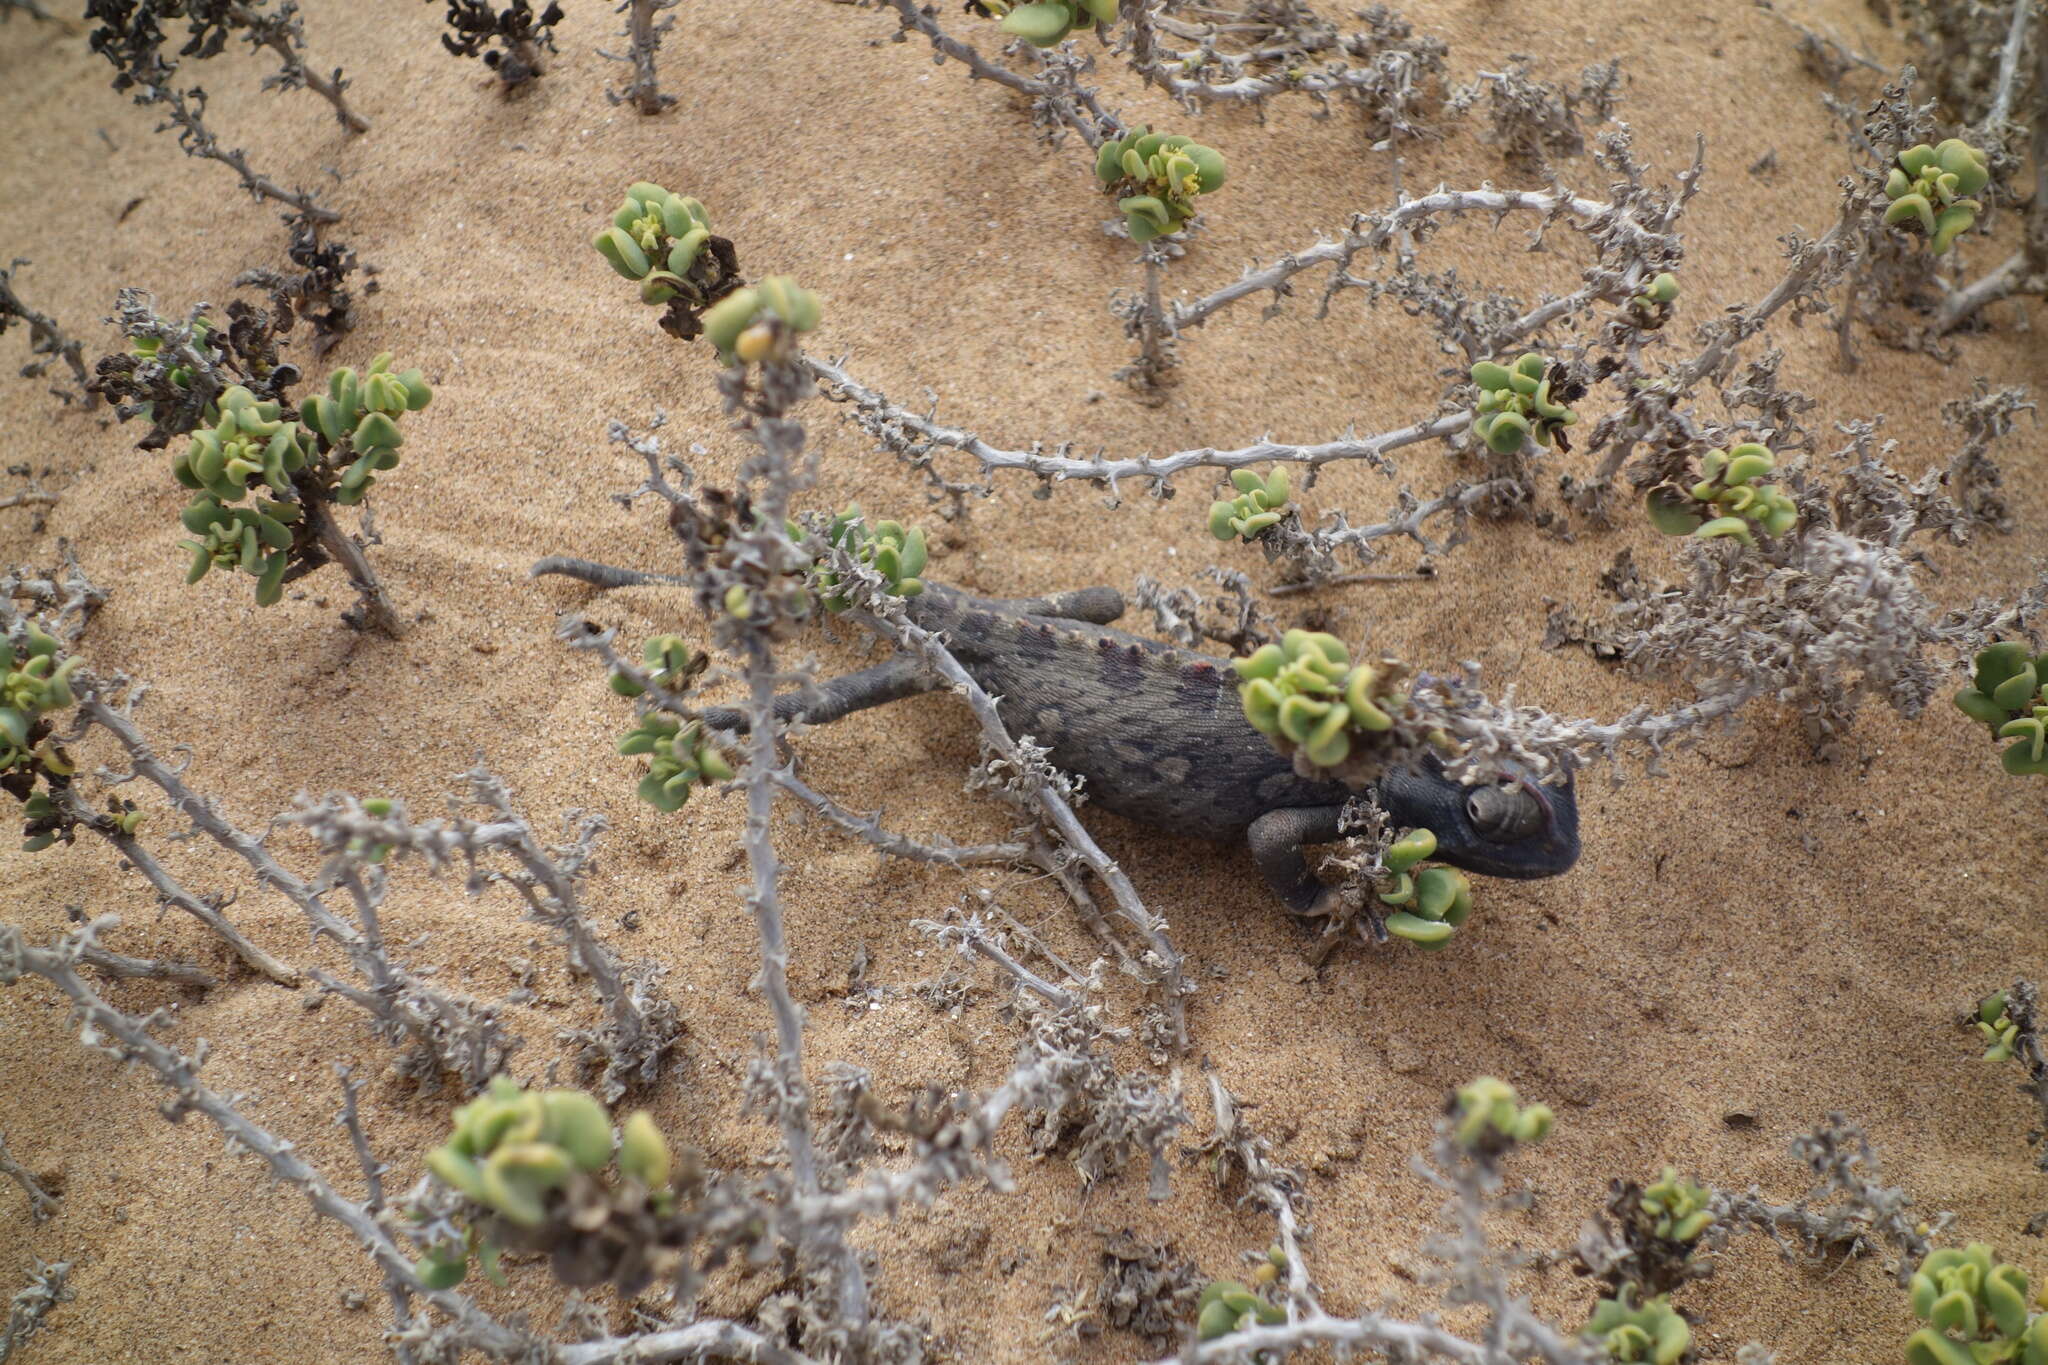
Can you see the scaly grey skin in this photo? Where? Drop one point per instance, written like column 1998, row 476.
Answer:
column 1160, row 737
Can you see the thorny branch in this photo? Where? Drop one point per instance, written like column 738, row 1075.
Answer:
column 1394, row 73
column 642, row 1026
column 1057, row 102
column 450, row 1032
column 886, row 617
column 643, row 34
column 42, row 1205
column 45, row 339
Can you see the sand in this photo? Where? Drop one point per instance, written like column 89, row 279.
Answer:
column 1757, row 932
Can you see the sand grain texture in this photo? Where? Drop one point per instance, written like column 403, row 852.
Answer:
column 1757, row 932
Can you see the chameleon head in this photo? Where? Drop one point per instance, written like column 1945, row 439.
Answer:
column 1511, row 827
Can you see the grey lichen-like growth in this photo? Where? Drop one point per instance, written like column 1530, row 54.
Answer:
column 1825, row 609
column 45, row 339
column 46, row 1289
column 1533, row 122
column 174, row 371
column 1846, row 1213
column 1147, row 1288
column 1217, row 55
column 1233, row 618
column 646, row 26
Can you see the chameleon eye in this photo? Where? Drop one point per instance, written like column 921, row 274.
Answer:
column 1505, row 815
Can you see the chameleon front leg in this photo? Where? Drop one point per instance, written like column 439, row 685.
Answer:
column 900, row 676
column 1277, row 839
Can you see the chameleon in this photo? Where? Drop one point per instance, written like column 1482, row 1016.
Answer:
column 1159, row 736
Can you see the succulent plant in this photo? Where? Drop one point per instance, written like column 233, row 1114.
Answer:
column 1488, row 1117
column 2000, row 1031
column 252, row 445
column 511, row 1151
column 1258, row 506
column 359, row 414
column 248, row 439
column 1679, row 1209
column 1157, row 177
column 670, row 665
column 896, row 553
column 1975, row 1307
column 1305, row 693
column 1653, row 307
column 656, row 239
column 664, row 243
column 1931, row 187
column 1046, row 23
column 33, row 681
column 256, row 540
column 1227, row 1306
column 1728, row 500
column 2006, row 693
column 680, row 757
column 1430, row 903
column 747, row 324
column 1652, row 1332
column 1525, row 400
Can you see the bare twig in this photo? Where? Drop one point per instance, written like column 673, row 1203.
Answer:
column 45, row 339
column 42, row 1205
column 643, row 33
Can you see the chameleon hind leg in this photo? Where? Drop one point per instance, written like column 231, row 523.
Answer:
column 899, row 677
column 1277, row 838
